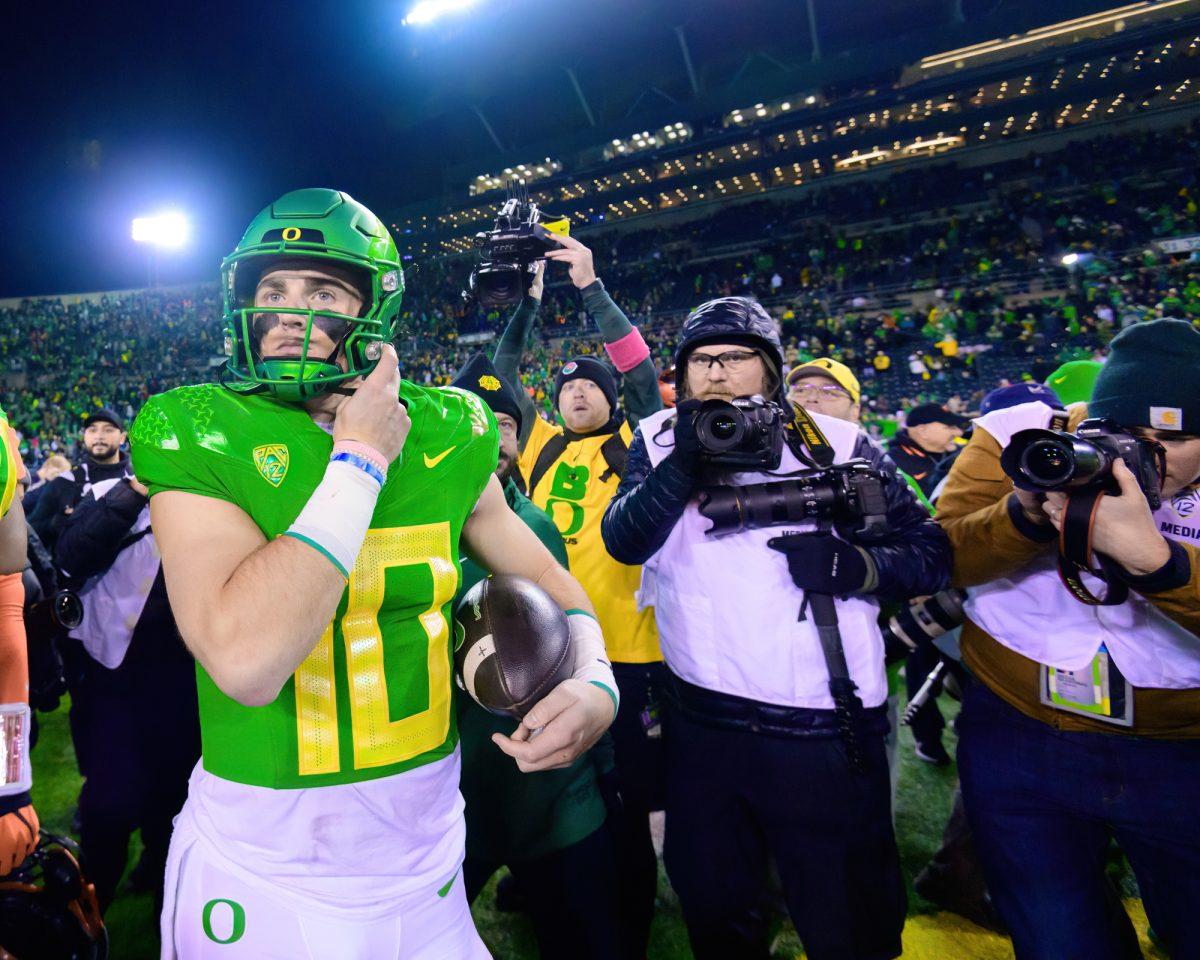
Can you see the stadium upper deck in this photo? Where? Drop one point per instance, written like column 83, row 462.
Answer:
column 1148, row 69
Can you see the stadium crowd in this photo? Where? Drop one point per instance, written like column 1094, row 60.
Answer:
column 944, row 309
column 927, row 266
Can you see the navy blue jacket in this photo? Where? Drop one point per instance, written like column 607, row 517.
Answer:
column 913, row 560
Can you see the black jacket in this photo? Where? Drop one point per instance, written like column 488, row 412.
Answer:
column 927, row 469
column 56, row 499
column 92, row 537
column 914, row 559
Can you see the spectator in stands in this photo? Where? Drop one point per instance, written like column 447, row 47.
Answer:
column 548, row 828
column 571, row 472
column 106, row 458
column 757, row 767
column 53, row 466
column 134, row 713
column 1054, row 763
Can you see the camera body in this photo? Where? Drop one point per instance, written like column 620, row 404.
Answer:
column 849, row 496
column 1045, row 461
column 505, row 254
column 745, row 433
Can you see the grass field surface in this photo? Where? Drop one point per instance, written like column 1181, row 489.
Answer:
column 921, row 811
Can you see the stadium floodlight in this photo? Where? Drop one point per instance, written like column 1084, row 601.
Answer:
column 426, row 11
column 167, row 230
column 1070, row 259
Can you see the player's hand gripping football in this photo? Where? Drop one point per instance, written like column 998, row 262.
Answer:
column 374, row 414
column 567, row 721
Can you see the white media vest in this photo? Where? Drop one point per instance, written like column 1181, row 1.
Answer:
column 727, row 610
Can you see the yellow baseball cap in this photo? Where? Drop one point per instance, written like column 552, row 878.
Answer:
column 839, row 373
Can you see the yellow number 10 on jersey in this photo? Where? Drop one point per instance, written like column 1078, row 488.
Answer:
column 378, row 740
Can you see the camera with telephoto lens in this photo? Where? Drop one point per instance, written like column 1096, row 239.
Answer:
column 746, row 433
column 849, row 496
column 507, row 252
column 1045, row 461
column 922, row 621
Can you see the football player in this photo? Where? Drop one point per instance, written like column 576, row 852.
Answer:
column 310, row 511
column 18, row 821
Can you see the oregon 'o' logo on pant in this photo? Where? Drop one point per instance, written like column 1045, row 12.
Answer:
column 233, row 919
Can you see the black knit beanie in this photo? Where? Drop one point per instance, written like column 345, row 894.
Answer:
column 480, row 377
column 588, row 368
column 1152, row 378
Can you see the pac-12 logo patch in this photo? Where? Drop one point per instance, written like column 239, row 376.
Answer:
column 1184, row 504
column 570, row 368
column 272, row 462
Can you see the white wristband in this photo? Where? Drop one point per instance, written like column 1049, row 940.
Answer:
column 16, row 774
column 337, row 515
column 591, row 663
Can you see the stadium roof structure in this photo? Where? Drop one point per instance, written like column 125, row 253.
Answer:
column 531, row 81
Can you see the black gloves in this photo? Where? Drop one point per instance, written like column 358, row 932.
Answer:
column 686, row 455
column 821, row 563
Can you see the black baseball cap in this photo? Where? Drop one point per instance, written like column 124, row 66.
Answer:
column 104, row 415
column 934, row 413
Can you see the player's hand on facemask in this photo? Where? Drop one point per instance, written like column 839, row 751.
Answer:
column 568, row 721
column 374, row 414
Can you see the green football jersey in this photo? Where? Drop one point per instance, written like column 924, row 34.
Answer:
column 374, row 697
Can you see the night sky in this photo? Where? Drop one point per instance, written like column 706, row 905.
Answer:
column 122, row 109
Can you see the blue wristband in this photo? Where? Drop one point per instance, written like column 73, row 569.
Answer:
column 361, row 463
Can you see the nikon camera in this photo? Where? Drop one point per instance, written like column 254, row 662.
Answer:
column 1045, row 461
column 743, row 434
column 506, row 253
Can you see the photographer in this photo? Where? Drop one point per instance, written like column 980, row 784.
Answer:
column 761, row 759
column 134, row 715
column 1086, row 723
column 105, row 459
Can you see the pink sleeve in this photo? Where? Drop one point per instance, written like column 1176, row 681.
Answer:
column 629, row 351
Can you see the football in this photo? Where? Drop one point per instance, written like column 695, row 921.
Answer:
column 512, row 644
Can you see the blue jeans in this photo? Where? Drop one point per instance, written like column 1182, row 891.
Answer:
column 1044, row 804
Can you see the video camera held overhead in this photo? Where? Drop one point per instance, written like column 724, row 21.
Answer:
column 507, row 252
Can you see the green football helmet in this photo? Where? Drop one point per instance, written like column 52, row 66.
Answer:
column 318, row 225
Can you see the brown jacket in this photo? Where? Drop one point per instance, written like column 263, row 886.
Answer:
column 992, row 539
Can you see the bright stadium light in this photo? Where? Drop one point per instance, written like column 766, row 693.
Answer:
column 1070, row 259
column 426, row 11
column 167, row 230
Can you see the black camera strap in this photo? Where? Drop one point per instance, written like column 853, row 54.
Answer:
column 1075, row 553
column 847, row 705
column 805, row 430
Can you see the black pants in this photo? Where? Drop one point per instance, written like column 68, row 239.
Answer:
column 570, row 895
column 733, row 797
column 639, row 783
column 137, row 737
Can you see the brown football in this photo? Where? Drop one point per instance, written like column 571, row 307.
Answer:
column 512, row 644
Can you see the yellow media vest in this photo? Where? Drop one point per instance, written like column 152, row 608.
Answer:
column 572, row 492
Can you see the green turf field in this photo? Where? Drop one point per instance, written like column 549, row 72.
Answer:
column 922, row 808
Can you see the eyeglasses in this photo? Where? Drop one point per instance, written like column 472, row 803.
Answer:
column 819, row 391
column 730, row 360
